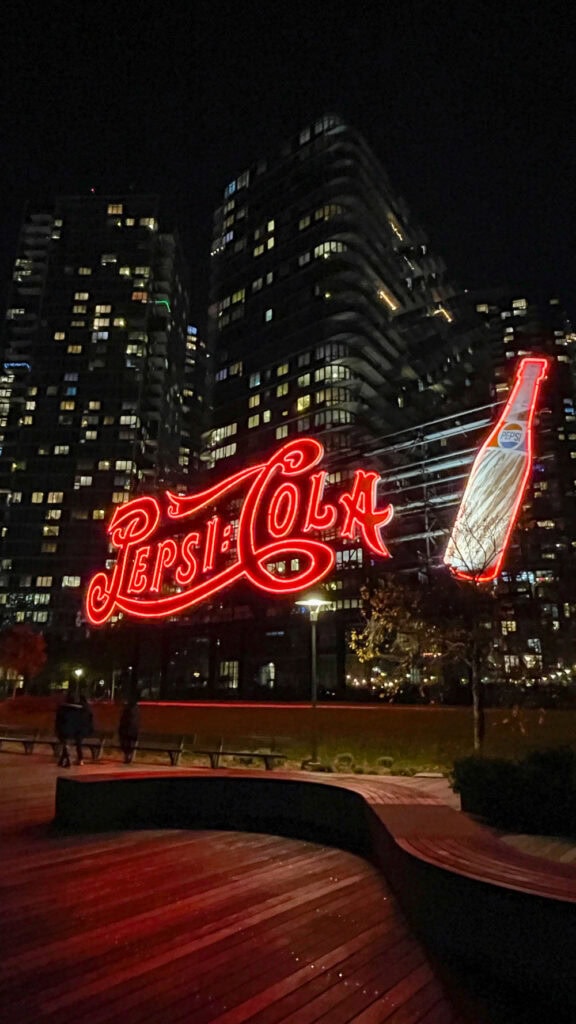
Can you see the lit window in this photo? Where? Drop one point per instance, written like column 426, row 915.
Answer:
column 258, row 250
column 254, row 421
column 103, row 309
column 254, row 380
column 119, row 321
column 282, row 369
column 221, row 433
column 303, row 403
column 327, row 248
column 74, row 350
column 270, row 243
column 282, row 431
column 37, row 497
column 119, row 497
column 268, row 315
column 59, row 336
column 304, row 380
column 98, row 513
column 84, row 271
column 50, row 531
column 104, row 464
column 70, row 581
column 81, row 296
column 115, row 208
column 94, row 405
column 281, row 390
column 225, row 452
column 49, row 548
column 53, row 513
column 55, row 497
column 266, row 416
column 270, row 225
column 139, row 296
column 257, row 284
column 148, row 222
column 253, row 401
column 43, row 581
column 125, row 272
column 303, row 223
column 61, row 449
column 67, row 405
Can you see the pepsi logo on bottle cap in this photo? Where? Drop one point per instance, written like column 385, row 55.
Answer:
column 511, row 436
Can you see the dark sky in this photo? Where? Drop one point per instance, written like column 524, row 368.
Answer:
column 470, row 105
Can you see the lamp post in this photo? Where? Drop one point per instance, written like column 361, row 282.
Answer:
column 314, row 603
column 78, row 673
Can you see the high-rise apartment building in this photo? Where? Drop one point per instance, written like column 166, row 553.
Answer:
column 328, row 315
column 328, row 311
column 100, row 394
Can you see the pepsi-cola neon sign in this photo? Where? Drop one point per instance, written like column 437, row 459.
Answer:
column 175, row 551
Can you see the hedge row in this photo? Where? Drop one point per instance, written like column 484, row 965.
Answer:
column 535, row 795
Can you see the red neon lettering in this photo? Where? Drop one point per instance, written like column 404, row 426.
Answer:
column 165, row 557
column 184, row 576
column 283, row 509
column 138, row 581
column 282, row 502
column 362, row 515
column 317, row 519
column 210, row 549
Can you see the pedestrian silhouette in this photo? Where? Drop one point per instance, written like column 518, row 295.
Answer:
column 128, row 729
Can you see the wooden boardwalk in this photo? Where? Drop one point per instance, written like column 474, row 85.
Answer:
column 200, row 927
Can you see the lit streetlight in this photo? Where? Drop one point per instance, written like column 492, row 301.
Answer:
column 314, row 602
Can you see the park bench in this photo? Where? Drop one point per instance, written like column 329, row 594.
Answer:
column 151, row 743
column 94, row 744
column 217, row 749
column 26, row 737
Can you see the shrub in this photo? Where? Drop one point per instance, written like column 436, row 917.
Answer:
column 344, row 763
column 537, row 794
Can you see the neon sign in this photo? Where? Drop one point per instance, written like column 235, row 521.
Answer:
column 282, row 511
column 497, row 482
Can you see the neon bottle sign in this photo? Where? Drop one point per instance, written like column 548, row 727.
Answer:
column 495, row 488
column 175, row 551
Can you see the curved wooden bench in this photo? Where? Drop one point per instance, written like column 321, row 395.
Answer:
column 473, row 899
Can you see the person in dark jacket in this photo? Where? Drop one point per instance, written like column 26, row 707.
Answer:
column 128, row 729
column 84, row 727
column 66, row 727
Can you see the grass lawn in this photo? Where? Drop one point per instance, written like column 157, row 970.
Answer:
column 417, row 738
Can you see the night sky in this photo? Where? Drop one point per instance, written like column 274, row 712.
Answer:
column 470, row 106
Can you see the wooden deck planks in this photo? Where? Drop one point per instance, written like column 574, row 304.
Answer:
column 146, row 927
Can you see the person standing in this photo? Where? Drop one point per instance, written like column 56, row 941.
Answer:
column 128, row 729
column 66, row 726
column 84, row 727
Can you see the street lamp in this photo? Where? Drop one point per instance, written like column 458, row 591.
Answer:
column 314, row 602
column 78, row 673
